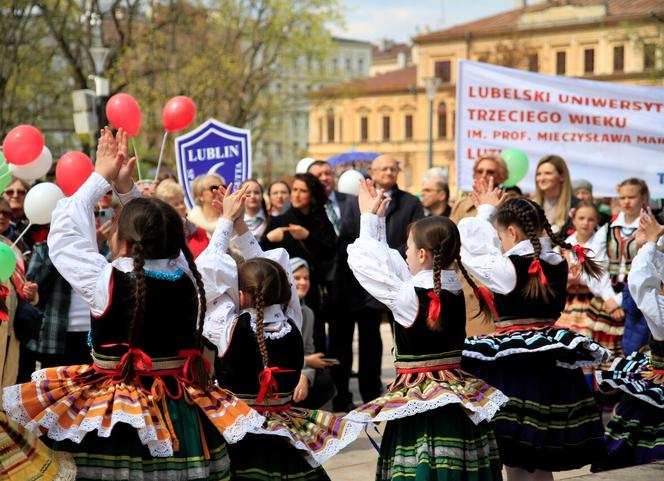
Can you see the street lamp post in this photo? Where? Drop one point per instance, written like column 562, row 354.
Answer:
column 99, row 53
column 431, row 85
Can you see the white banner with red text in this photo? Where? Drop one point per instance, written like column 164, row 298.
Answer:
column 606, row 132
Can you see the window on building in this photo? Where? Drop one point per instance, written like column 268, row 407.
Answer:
column 442, row 120
column 453, row 123
column 533, row 62
column 386, row 127
column 408, row 127
column 649, row 51
column 330, row 126
column 561, row 60
column 341, row 130
column 364, row 129
column 442, row 70
column 320, row 130
column 619, row 58
column 589, row 60
column 360, row 66
column 335, row 65
column 349, row 65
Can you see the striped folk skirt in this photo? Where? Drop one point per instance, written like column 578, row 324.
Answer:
column 635, row 433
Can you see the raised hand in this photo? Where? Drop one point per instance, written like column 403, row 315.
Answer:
column 649, row 229
column 485, row 193
column 108, row 161
column 124, row 182
column 369, row 199
column 233, row 204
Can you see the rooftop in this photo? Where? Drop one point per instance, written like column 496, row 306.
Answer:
column 551, row 13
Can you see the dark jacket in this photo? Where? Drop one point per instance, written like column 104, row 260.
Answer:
column 403, row 210
column 318, row 249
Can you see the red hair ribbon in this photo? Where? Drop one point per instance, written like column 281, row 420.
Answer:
column 4, row 310
column 535, row 269
column 434, row 307
column 192, row 354
column 268, row 383
column 581, row 253
column 482, row 292
column 142, row 362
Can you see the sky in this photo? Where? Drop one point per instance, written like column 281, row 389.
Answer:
column 373, row 20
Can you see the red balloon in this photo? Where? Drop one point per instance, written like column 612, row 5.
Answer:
column 23, row 144
column 72, row 170
column 179, row 113
column 123, row 112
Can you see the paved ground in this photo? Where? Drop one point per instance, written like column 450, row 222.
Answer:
column 358, row 461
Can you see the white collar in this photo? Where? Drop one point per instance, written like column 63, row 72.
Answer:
column 333, row 198
column 572, row 239
column 448, row 280
column 621, row 222
column 524, row 247
column 126, row 264
column 272, row 314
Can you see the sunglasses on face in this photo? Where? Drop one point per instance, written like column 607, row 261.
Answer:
column 214, row 188
column 17, row 192
column 6, row 213
column 484, row 171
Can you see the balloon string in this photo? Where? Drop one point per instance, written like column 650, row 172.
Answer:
column 22, row 234
column 161, row 153
column 138, row 161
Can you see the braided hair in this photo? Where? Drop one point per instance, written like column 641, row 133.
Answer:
column 440, row 236
column 152, row 229
column 267, row 284
column 531, row 219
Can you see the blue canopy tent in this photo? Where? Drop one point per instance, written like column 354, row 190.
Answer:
column 350, row 157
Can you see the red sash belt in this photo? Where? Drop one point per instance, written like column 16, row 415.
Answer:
column 416, row 370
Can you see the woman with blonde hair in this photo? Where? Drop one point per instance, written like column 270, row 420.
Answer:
column 203, row 214
column 553, row 190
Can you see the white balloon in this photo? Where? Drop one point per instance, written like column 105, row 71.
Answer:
column 303, row 165
column 40, row 202
column 35, row 169
column 349, row 182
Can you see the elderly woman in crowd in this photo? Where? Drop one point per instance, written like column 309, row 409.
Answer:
column 553, row 191
column 305, row 231
column 173, row 194
column 278, row 194
column 488, row 165
column 204, row 215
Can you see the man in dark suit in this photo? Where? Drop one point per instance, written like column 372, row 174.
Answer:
column 344, row 294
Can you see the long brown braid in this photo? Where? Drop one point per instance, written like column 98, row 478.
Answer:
column 136, row 323
column 587, row 263
column 202, row 375
column 151, row 229
column 485, row 301
column 267, row 284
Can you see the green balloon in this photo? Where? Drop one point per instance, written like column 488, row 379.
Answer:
column 7, row 262
column 5, row 176
column 517, row 166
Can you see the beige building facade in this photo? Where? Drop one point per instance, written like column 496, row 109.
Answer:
column 615, row 40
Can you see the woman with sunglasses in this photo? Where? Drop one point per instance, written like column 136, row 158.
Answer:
column 203, row 214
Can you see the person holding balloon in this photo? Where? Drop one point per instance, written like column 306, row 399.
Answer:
column 147, row 393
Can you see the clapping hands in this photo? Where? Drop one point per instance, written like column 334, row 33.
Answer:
column 112, row 161
column 649, row 229
column 485, row 193
column 372, row 201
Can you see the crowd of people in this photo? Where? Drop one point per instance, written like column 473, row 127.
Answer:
column 146, row 340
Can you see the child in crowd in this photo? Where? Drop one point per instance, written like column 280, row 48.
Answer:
column 617, row 241
column 551, row 422
column 584, row 291
column 635, row 433
column 254, row 320
column 147, row 394
column 316, row 386
column 437, row 414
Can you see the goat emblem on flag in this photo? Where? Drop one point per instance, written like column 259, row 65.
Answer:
column 213, row 148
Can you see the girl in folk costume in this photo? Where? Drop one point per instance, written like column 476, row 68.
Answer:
column 635, row 433
column 551, row 422
column 437, row 414
column 617, row 240
column 254, row 319
column 584, row 291
column 147, row 394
